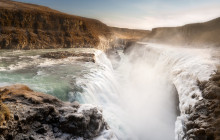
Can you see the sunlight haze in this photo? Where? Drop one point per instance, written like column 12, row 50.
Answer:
column 138, row 14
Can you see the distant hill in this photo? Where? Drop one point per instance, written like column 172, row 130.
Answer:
column 126, row 33
column 29, row 26
column 197, row 34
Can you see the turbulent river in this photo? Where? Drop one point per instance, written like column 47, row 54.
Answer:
column 144, row 97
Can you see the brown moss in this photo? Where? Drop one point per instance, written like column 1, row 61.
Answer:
column 24, row 93
column 4, row 113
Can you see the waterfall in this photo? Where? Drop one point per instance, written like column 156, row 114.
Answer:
column 138, row 98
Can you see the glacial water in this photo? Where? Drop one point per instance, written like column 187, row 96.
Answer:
column 52, row 76
column 145, row 97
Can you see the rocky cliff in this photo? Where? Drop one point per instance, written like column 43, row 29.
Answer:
column 198, row 34
column 25, row 114
column 204, row 119
column 28, row 26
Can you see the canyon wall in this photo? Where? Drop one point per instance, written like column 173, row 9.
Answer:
column 197, row 34
column 28, row 26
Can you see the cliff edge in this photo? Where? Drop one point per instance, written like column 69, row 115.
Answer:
column 29, row 26
column 197, row 34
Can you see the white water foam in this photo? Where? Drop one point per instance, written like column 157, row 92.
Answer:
column 185, row 66
column 137, row 98
column 36, row 61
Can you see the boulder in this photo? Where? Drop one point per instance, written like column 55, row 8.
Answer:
column 26, row 114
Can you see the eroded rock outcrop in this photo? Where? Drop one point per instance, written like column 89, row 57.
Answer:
column 86, row 57
column 204, row 120
column 25, row 114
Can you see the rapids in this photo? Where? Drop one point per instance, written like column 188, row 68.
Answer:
column 146, row 97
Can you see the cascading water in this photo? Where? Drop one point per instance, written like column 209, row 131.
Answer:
column 135, row 98
column 138, row 97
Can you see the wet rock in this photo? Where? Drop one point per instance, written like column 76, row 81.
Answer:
column 16, row 117
column 55, row 129
column 32, row 137
column 50, row 118
column 191, row 125
column 75, row 104
column 85, row 57
column 204, row 122
column 42, row 130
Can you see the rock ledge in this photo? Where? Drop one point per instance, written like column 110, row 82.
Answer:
column 30, row 115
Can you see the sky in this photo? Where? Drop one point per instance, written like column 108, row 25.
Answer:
column 138, row 14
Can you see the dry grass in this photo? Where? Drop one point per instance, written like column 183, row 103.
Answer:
column 4, row 114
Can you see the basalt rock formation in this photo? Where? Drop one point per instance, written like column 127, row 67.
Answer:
column 25, row 114
column 197, row 34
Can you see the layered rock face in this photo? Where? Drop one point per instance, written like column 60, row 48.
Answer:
column 204, row 120
column 28, row 26
column 26, row 114
column 198, row 34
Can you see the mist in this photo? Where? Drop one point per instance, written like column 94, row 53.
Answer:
column 148, row 96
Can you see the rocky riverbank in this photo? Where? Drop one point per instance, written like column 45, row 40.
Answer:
column 25, row 114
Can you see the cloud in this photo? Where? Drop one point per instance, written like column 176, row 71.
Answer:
column 166, row 18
